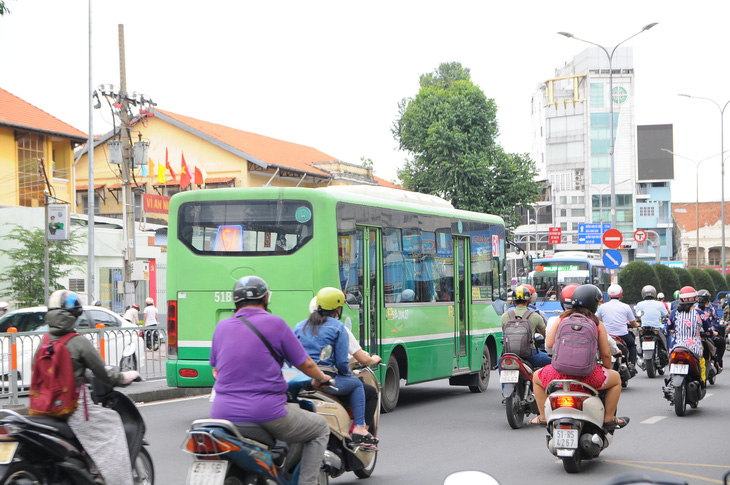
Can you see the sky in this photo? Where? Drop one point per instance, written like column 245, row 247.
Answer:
column 330, row 74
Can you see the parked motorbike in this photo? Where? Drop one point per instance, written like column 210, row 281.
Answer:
column 575, row 423
column 655, row 353
column 684, row 384
column 248, row 454
column 516, row 380
column 44, row 450
column 621, row 362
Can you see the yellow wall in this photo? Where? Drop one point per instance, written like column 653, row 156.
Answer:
column 9, row 168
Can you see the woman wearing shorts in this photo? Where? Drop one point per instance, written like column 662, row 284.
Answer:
column 585, row 301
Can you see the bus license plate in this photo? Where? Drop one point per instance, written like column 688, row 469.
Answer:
column 7, row 451
column 509, row 376
column 679, row 369
column 207, row 472
column 648, row 345
column 565, row 438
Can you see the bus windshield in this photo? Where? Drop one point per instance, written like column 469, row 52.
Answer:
column 549, row 277
column 245, row 227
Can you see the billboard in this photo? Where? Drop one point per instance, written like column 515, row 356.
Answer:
column 653, row 162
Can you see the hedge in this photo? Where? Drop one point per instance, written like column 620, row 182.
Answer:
column 668, row 279
column 703, row 281
column 633, row 277
column 685, row 278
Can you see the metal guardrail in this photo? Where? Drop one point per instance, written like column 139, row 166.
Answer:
column 18, row 348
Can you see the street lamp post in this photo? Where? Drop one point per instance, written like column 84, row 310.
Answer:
column 610, row 103
column 722, row 172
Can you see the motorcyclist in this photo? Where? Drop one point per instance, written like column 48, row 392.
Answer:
column 709, row 314
column 132, row 314
column 675, row 302
column 243, row 395
column 566, row 298
column 533, row 303
column 522, row 298
column 98, row 429
column 655, row 313
column 688, row 326
column 150, row 312
column 615, row 315
column 4, row 308
column 660, row 297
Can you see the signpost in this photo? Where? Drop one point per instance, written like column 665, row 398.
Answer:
column 640, row 235
column 554, row 236
column 612, row 239
column 612, row 258
column 591, row 233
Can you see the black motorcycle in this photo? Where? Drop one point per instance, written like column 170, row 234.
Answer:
column 516, row 380
column 621, row 362
column 655, row 353
column 684, row 384
column 44, row 450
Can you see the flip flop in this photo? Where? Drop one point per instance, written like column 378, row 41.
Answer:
column 618, row 422
column 538, row 421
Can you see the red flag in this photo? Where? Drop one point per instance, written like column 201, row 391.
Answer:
column 184, row 174
column 198, row 177
column 167, row 165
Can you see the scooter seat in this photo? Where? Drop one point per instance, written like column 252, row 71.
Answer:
column 60, row 424
column 255, row 432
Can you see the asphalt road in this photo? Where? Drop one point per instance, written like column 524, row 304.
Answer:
column 438, row 429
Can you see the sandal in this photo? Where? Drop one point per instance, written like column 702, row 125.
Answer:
column 364, row 439
column 538, row 421
column 616, row 423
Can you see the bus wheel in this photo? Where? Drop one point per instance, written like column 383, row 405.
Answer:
column 391, row 386
column 482, row 377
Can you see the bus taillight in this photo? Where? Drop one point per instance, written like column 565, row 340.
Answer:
column 172, row 329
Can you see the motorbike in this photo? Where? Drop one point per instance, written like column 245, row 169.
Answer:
column 684, row 384
column 516, row 380
column 655, row 353
column 44, row 450
column 621, row 362
column 575, row 423
column 245, row 453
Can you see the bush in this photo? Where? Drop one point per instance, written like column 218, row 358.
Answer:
column 727, row 279
column 668, row 279
column 717, row 280
column 703, row 281
column 685, row 278
column 633, row 277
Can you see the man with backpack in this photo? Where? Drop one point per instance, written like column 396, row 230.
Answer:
column 57, row 389
column 519, row 325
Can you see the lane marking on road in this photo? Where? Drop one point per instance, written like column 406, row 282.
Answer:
column 640, row 464
column 167, row 401
column 652, row 420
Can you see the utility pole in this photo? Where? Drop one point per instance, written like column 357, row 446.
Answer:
column 126, row 175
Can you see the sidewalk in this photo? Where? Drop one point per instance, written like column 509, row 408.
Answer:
column 145, row 391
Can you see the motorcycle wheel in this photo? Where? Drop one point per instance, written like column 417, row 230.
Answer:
column 515, row 410
column 660, row 370
column 711, row 374
column 153, row 340
column 323, row 478
column 20, row 473
column 624, row 383
column 391, row 386
column 143, row 471
column 680, row 399
column 572, row 463
column 483, row 376
column 650, row 370
column 366, row 472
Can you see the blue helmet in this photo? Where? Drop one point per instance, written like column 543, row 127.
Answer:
column 65, row 300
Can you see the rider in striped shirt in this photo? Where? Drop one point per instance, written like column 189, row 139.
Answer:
column 688, row 326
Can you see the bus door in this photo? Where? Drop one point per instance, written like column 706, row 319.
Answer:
column 462, row 292
column 369, row 255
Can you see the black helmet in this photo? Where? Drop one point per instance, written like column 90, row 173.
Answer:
column 703, row 296
column 250, row 288
column 648, row 292
column 65, row 300
column 587, row 296
column 522, row 293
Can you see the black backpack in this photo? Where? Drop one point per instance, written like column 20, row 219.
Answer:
column 517, row 335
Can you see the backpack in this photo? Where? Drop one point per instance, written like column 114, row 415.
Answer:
column 53, row 390
column 575, row 347
column 517, row 336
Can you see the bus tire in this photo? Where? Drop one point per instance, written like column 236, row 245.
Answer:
column 391, row 386
column 482, row 377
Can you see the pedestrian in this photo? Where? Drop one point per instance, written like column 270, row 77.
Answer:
column 132, row 314
column 150, row 312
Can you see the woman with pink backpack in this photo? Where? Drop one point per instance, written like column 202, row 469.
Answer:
column 574, row 340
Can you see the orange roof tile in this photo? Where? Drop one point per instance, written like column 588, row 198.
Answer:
column 218, row 180
column 18, row 113
column 120, row 185
column 385, row 183
column 80, row 188
column 709, row 214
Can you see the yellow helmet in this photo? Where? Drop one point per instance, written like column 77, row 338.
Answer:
column 329, row 298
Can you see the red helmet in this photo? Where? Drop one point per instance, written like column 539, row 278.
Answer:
column 566, row 296
column 531, row 288
column 687, row 295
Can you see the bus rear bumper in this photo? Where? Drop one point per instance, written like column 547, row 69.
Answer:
column 189, row 373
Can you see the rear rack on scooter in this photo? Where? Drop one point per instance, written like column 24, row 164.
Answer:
column 564, row 385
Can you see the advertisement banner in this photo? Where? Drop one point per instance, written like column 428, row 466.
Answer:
column 58, row 222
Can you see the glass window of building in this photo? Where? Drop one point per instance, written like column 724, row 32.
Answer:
column 578, row 212
column 597, row 95
column 31, row 151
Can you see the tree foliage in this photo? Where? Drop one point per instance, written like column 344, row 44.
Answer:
column 3, row 8
column 717, row 280
column 685, row 278
column 668, row 279
column 450, row 129
column 702, row 281
column 25, row 277
column 633, row 277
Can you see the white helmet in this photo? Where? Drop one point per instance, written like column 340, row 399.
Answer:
column 150, row 301
column 4, row 305
column 615, row 291
column 313, row 304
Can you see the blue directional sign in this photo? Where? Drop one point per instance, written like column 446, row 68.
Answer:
column 592, row 233
column 612, row 258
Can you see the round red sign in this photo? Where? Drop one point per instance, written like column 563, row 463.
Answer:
column 640, row 236
column 612, row 238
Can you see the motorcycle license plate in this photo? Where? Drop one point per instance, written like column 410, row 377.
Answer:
column 648, row 345
column 509, row 376
column 211, row 472
column 679, row 369
column 7, row 451
column 565, row 438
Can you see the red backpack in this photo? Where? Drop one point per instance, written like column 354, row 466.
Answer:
column 53, row 390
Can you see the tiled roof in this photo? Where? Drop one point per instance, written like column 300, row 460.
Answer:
column 709, row 214
column 81, row 188
column 171, row 182
column 219, row 180
column 17, row 113
column 385, row 183
column 120, row 185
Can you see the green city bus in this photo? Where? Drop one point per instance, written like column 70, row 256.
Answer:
column 425, row 283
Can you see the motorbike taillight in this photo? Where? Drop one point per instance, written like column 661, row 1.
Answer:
column 508, row 363
column 563, row 401
column 204, row 443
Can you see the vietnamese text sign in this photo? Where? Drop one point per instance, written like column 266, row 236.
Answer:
column 156, row 203
column 591, row 233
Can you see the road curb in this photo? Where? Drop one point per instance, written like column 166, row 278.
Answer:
column 169, row 393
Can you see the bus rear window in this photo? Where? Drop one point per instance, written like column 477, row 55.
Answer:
column 246, row 227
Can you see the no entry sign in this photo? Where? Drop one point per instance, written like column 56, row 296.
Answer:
column 612, row 238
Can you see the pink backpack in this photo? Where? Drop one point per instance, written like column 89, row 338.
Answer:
column 575, row 347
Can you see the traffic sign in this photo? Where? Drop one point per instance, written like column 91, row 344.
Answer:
column 554, row 235
column 593, row 228
column 612, row 259
column 640, row 235
column 612, row 238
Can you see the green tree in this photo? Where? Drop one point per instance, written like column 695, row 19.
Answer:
column 668, row 279
column 633, row 277
column 702, row 281
column 717, row 280
column 450, row 129
column 685, row 278
column 3, row 8
column 25, row 277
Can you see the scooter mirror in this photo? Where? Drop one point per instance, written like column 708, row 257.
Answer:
column 470, row 477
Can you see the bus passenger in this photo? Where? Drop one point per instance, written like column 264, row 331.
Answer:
column 323, row 329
